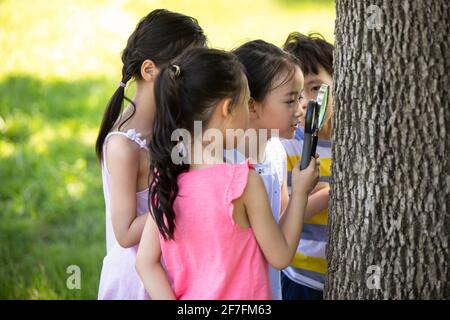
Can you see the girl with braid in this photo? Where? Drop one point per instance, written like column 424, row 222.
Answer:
column 211, row 222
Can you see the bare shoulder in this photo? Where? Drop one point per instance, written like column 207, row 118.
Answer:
column 120, row 149
column 254, row 187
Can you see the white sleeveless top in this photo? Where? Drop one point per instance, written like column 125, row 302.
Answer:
column 273, row 171
column 119, row 279
column 141, row 197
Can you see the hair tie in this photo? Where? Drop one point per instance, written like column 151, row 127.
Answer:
column 122, row 84
column 177, row 70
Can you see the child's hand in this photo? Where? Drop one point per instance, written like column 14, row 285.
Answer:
column 320, row 185
column 304, row 181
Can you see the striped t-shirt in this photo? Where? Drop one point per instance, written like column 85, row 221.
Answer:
column 309, row 265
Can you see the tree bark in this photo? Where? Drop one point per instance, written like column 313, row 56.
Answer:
column 389, row 205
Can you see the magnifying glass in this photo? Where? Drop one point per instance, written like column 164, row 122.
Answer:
column 315, row 116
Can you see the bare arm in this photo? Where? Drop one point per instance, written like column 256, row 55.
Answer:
column 317, row 202
column 279, row 242
column 123, row 166
column 148, row 264
column 284, row 196
column 320, row 185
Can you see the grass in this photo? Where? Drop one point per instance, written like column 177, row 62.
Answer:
column 59, row 63
column 50, row 194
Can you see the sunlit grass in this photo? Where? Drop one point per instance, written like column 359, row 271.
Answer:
column 52, row 213
column 59, row 64
column 72, row 39
column 6, row 149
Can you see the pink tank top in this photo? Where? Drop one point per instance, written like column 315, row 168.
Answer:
column 212, row 257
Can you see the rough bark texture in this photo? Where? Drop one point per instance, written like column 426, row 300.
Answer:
column 390, row 174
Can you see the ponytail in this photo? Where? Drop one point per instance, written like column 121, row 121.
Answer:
column 112, row 113
column 160, row 36
column 164, row 187
column 185, row 92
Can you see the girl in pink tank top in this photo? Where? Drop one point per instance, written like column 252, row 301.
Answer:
column 211, row 223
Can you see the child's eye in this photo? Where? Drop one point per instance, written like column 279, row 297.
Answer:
column 290, row 102
column 316, row 88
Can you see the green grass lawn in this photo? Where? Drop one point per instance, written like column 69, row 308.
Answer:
column 59, row 63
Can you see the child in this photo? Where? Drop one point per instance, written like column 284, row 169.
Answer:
column 276, row 82
column 122, row 145
column 305, row 277
column 211, row 222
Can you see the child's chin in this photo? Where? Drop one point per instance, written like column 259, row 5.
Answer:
column 287, row 135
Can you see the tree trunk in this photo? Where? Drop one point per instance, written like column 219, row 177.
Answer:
column 389, row 220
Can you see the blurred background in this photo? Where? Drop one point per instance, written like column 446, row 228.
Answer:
column 59, row 65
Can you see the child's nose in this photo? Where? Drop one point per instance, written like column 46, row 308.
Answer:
column 303, row 105
column 299, row 112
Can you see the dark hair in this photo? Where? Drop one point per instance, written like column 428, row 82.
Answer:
column 263, row 63
column 312, row 51
column 186, row 91
column 160, row 36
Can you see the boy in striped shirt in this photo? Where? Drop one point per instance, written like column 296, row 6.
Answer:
column 305, row 277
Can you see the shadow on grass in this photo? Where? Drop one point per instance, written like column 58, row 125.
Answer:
column 52, row 209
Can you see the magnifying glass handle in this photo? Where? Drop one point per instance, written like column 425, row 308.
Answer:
column 309, row 131
column 314, row 145
column 306, row 152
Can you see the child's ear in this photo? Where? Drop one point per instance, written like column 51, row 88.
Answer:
column 253, row 111
column 149, row 70
column 225, row 107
